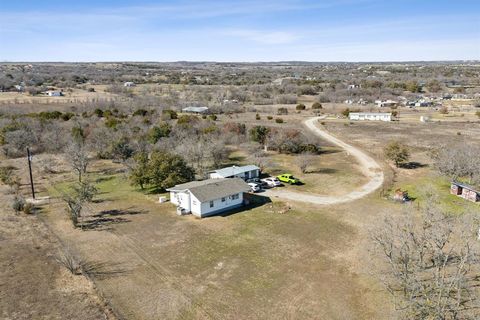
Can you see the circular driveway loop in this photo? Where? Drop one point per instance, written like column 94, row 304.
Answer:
column 369, row 167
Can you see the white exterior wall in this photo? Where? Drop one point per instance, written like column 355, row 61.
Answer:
column 251, row 174
column 371, row 117
column 181, row 199
column 203, row 209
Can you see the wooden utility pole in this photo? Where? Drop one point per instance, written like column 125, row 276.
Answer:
column 29, row 158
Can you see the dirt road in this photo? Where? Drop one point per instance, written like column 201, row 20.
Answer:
column 369, row 167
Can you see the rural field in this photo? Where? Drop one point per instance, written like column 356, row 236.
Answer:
column 109, row 236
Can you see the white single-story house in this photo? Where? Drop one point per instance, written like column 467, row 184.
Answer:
column 208, row 197
column 386, row 103
column 129, row 84
column 244, row 172
column 373, row 116
column 195, row 109
column 54, row 93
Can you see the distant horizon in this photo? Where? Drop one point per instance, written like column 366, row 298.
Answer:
column 240, row 31
column 245, row 62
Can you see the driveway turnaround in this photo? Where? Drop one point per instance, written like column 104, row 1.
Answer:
column 369, row 167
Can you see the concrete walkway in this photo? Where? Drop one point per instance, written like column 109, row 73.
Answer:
column 369, row 167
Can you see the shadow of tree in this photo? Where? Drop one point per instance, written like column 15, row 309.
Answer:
column 105, row 219
column 323, row 170
column 413, row 165
column 329, row 151
column 103, row 270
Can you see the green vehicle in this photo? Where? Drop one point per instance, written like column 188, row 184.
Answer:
column 288, row 178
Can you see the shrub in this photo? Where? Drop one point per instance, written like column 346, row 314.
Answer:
column 98, row 112
column 67, row 116
column 443, row 110
column 68, row 261
column 282, row 111
column 396, row 152
column 91, row 90
column 161, row 131
column 259, row 134
column 111, row 123
column 323, row 99
column 346, row 112
column 186, row 119
column 300, row 107
column 168, row 114
column 140, row 112
column 18, row 204
column 477, row 114
column 237, row 128
column 317, row 105
column 6, row 174
column 50, row 115
column 279, row 120
column 107, row 113
column 269, row 117
column 213, row 117
column 28, row 208
column 257, row 117
column 309, row 148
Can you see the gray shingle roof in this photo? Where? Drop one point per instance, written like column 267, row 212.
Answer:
column 212, row 189
column 231, row 171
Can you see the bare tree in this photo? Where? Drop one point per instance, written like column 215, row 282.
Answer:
column 78, row 196
column 304, row 161
column 77, row 155
column 459, row 161
column 431, row 265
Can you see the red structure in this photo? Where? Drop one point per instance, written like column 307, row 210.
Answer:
column 465, row 191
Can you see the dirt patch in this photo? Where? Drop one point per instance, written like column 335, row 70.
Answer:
column 32, row 284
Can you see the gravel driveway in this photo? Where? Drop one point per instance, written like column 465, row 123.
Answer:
column 369, row 167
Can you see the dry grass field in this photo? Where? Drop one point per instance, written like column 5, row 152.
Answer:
column 33, row 285
column 278, row 260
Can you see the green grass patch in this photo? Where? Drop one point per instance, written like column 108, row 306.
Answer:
column 440, row 187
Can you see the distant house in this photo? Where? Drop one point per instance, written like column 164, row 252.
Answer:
column 372, row 116
column 129, row 84
column 353, row 86
column 195, row 110
column 465, row 191
column 386, row 103
column 227, row 101
column 19, row 88
column 208, row 197
column 54, row 93
column 244, row 172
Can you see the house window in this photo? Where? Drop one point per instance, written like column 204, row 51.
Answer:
column 235, row 196
column 194, row 202
column 223, row 199
column 211, row 204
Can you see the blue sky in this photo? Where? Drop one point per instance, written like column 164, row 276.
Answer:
column 264, row 30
